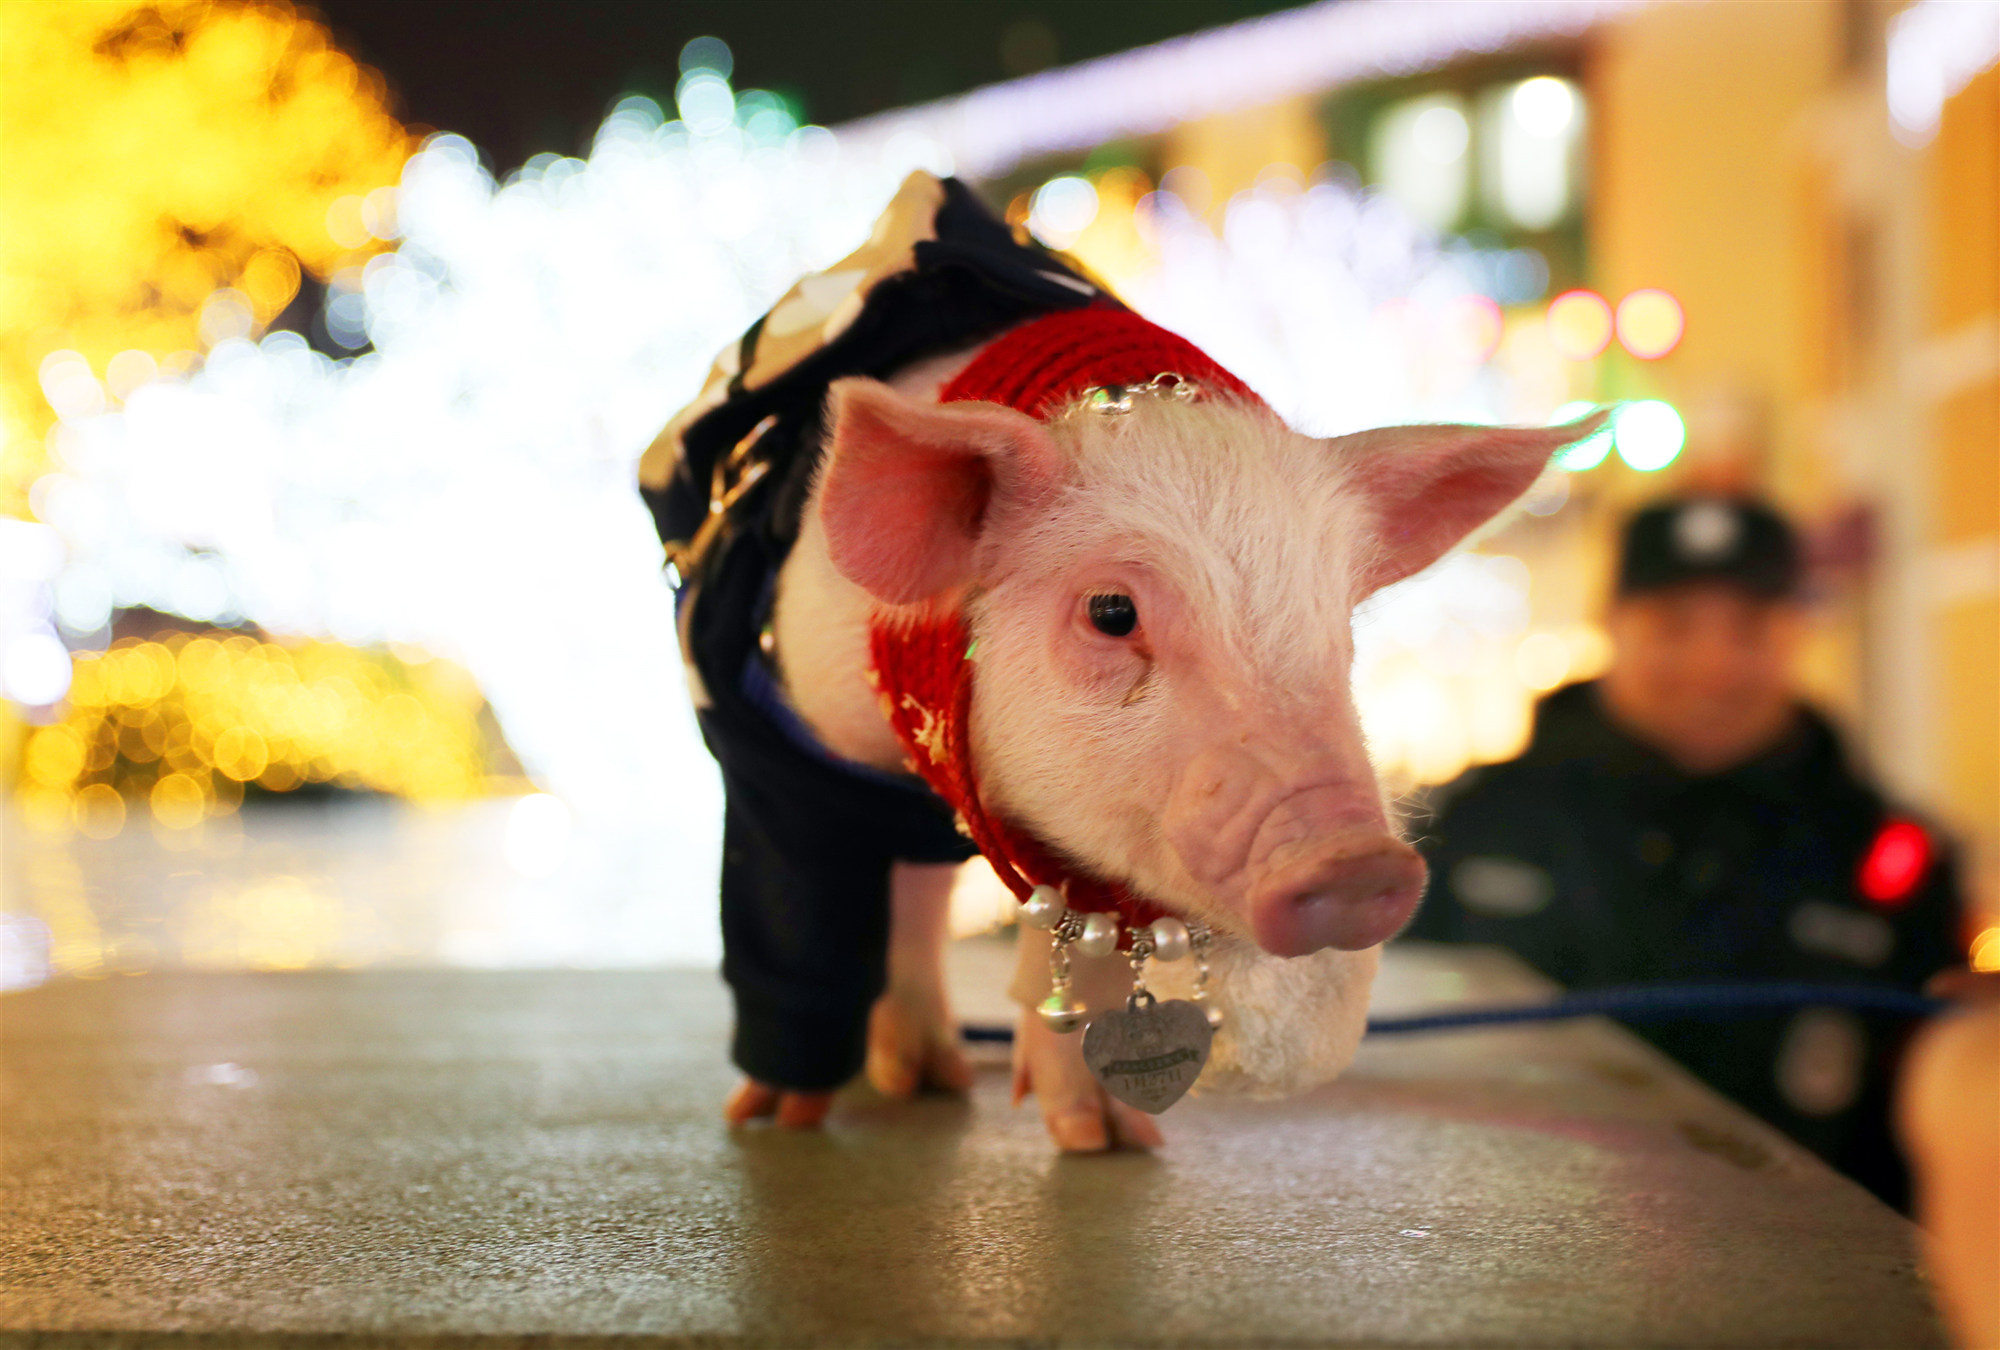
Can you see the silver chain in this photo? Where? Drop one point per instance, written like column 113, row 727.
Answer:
column 1201, row 939
column 1116, row 399
column 1142, row 949
column 1067, row 930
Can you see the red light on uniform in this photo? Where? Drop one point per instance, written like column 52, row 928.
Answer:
column 1895, row 864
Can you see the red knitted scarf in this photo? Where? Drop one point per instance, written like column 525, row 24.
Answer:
column 922, row 668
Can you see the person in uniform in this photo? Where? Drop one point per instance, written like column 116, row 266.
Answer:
column 1688, row 817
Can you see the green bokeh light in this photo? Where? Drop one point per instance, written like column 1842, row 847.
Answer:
column 1587, row 453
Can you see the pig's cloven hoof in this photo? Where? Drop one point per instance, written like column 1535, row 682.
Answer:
column 1081, row 1117
column 753, row 1100
column 913, row 1044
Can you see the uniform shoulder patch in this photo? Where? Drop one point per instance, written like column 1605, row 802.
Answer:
column 1842, row 932
column 1505, row 888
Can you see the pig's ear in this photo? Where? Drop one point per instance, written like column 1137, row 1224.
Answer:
column 909, row 487
column 1433, row 485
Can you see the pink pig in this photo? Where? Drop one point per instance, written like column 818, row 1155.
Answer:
column 1202, row 746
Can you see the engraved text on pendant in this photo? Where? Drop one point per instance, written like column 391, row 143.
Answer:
column 1148, row 1054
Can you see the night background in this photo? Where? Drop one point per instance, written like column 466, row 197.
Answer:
column 518, row 77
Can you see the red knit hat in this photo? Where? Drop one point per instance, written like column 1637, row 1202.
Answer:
column 921, row 664
column 1041, row 366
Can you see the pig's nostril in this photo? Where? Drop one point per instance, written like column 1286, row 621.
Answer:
column 1308, row 902
column 1350, row 902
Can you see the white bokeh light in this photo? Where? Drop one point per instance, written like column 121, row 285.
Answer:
column 34, row 669
column 466, row 486
column 1334, row 304
column 1530, row 147
column 538, row 835
column 1544, row 106
column 1063, row 209
column 1936, row 47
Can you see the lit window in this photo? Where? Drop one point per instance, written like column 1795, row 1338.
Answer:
column 1420, row 153
column 1530, row 135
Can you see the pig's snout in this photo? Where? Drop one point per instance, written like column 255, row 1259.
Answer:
column 1316, row 862
column 1348, row 890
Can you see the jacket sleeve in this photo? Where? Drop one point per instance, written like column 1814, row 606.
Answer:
column 805, row 926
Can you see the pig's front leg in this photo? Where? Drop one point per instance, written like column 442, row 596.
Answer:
column 1081, row 1116
column 912, row 1038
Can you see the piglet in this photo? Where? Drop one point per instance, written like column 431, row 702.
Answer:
column 1162, row 603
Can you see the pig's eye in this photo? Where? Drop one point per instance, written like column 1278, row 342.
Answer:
column 1114, row 615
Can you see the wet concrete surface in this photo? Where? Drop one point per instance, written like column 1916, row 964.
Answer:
column 508, row 1158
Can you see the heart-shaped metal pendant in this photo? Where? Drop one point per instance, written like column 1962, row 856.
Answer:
column 1148, row 1053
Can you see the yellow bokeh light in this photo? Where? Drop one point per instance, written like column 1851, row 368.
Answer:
column 1499, row 720
column 240, row 754
column 45, row 809
column 1650, row 323
column 1542, row 660
column 1112, row 246
column 100, row 811
column 1589, row 651
column 182, row 724
column 1580, row 324
column 270, row 279
column 54, row 757
column 178, row 802
column 155, row 154
column 345, row 225
column 1986, row 950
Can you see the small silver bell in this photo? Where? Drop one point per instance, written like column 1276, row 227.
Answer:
column 1170, row 939
column 1043, row 907
column 1100, row 935
column 1061, row 1014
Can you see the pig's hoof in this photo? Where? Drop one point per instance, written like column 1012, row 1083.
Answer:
column 753, row 1100
column 1081, row 1117
column 913, row 1045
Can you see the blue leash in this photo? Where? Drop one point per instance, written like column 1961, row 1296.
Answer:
column 1664, row 1002
column 1635, row 1003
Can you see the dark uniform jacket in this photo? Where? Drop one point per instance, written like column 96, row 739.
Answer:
column 808, row 839
column 1599, row 863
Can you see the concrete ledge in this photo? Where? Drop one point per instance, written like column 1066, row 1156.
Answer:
column 534, row 1158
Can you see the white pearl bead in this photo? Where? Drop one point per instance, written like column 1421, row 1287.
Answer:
column 1100, row 935
column 1043, row 907
column 1061, row 1014
column 1208, row 1009
column 1170, row 939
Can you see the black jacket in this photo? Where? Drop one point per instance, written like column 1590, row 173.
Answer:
column 1599, row 863
column 808, row 838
